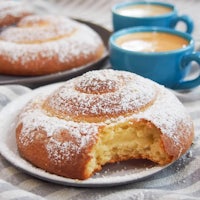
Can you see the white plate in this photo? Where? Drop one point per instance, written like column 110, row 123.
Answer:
column 112, row 174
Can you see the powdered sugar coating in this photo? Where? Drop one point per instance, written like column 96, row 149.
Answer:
column 35, row 29
column 35, row 119
column 120, row 93
column 64, row 38
column 12, row 8
column 166, row 112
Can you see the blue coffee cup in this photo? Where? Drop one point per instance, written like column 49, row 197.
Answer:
column 169, row 68
column 168, row 19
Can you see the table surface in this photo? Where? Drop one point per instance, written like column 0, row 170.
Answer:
column 179, row 181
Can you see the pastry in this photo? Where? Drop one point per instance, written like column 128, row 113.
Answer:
column 40, row 45
column 12, row 12
column 103, row 116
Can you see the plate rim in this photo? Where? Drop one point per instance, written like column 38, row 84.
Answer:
column 8, row 154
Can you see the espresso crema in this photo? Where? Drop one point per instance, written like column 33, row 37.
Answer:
column 144, row 10
column 151, row 42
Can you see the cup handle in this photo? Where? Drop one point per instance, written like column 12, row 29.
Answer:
column 186, row 19
column 184, row 84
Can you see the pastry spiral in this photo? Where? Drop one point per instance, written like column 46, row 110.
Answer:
column 12, row 12
column 101, row 117
column 40, row 45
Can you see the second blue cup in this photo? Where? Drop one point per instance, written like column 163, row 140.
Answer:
column 148, row 13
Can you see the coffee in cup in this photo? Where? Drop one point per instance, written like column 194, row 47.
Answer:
column 151, row 42
column 144, row 10
column 161, row 54
column 148, row 13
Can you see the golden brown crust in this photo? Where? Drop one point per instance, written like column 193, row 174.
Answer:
column 70, row 127
column 174, row 149
column 40, row 45
column 37, row 154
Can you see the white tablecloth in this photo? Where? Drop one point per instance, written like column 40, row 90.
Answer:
column 179, row 181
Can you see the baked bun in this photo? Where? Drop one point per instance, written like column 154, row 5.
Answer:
column 12, row 12
column 102, row 117
column 40, row 45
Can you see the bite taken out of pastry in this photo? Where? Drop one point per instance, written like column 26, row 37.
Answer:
column 101, row 117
